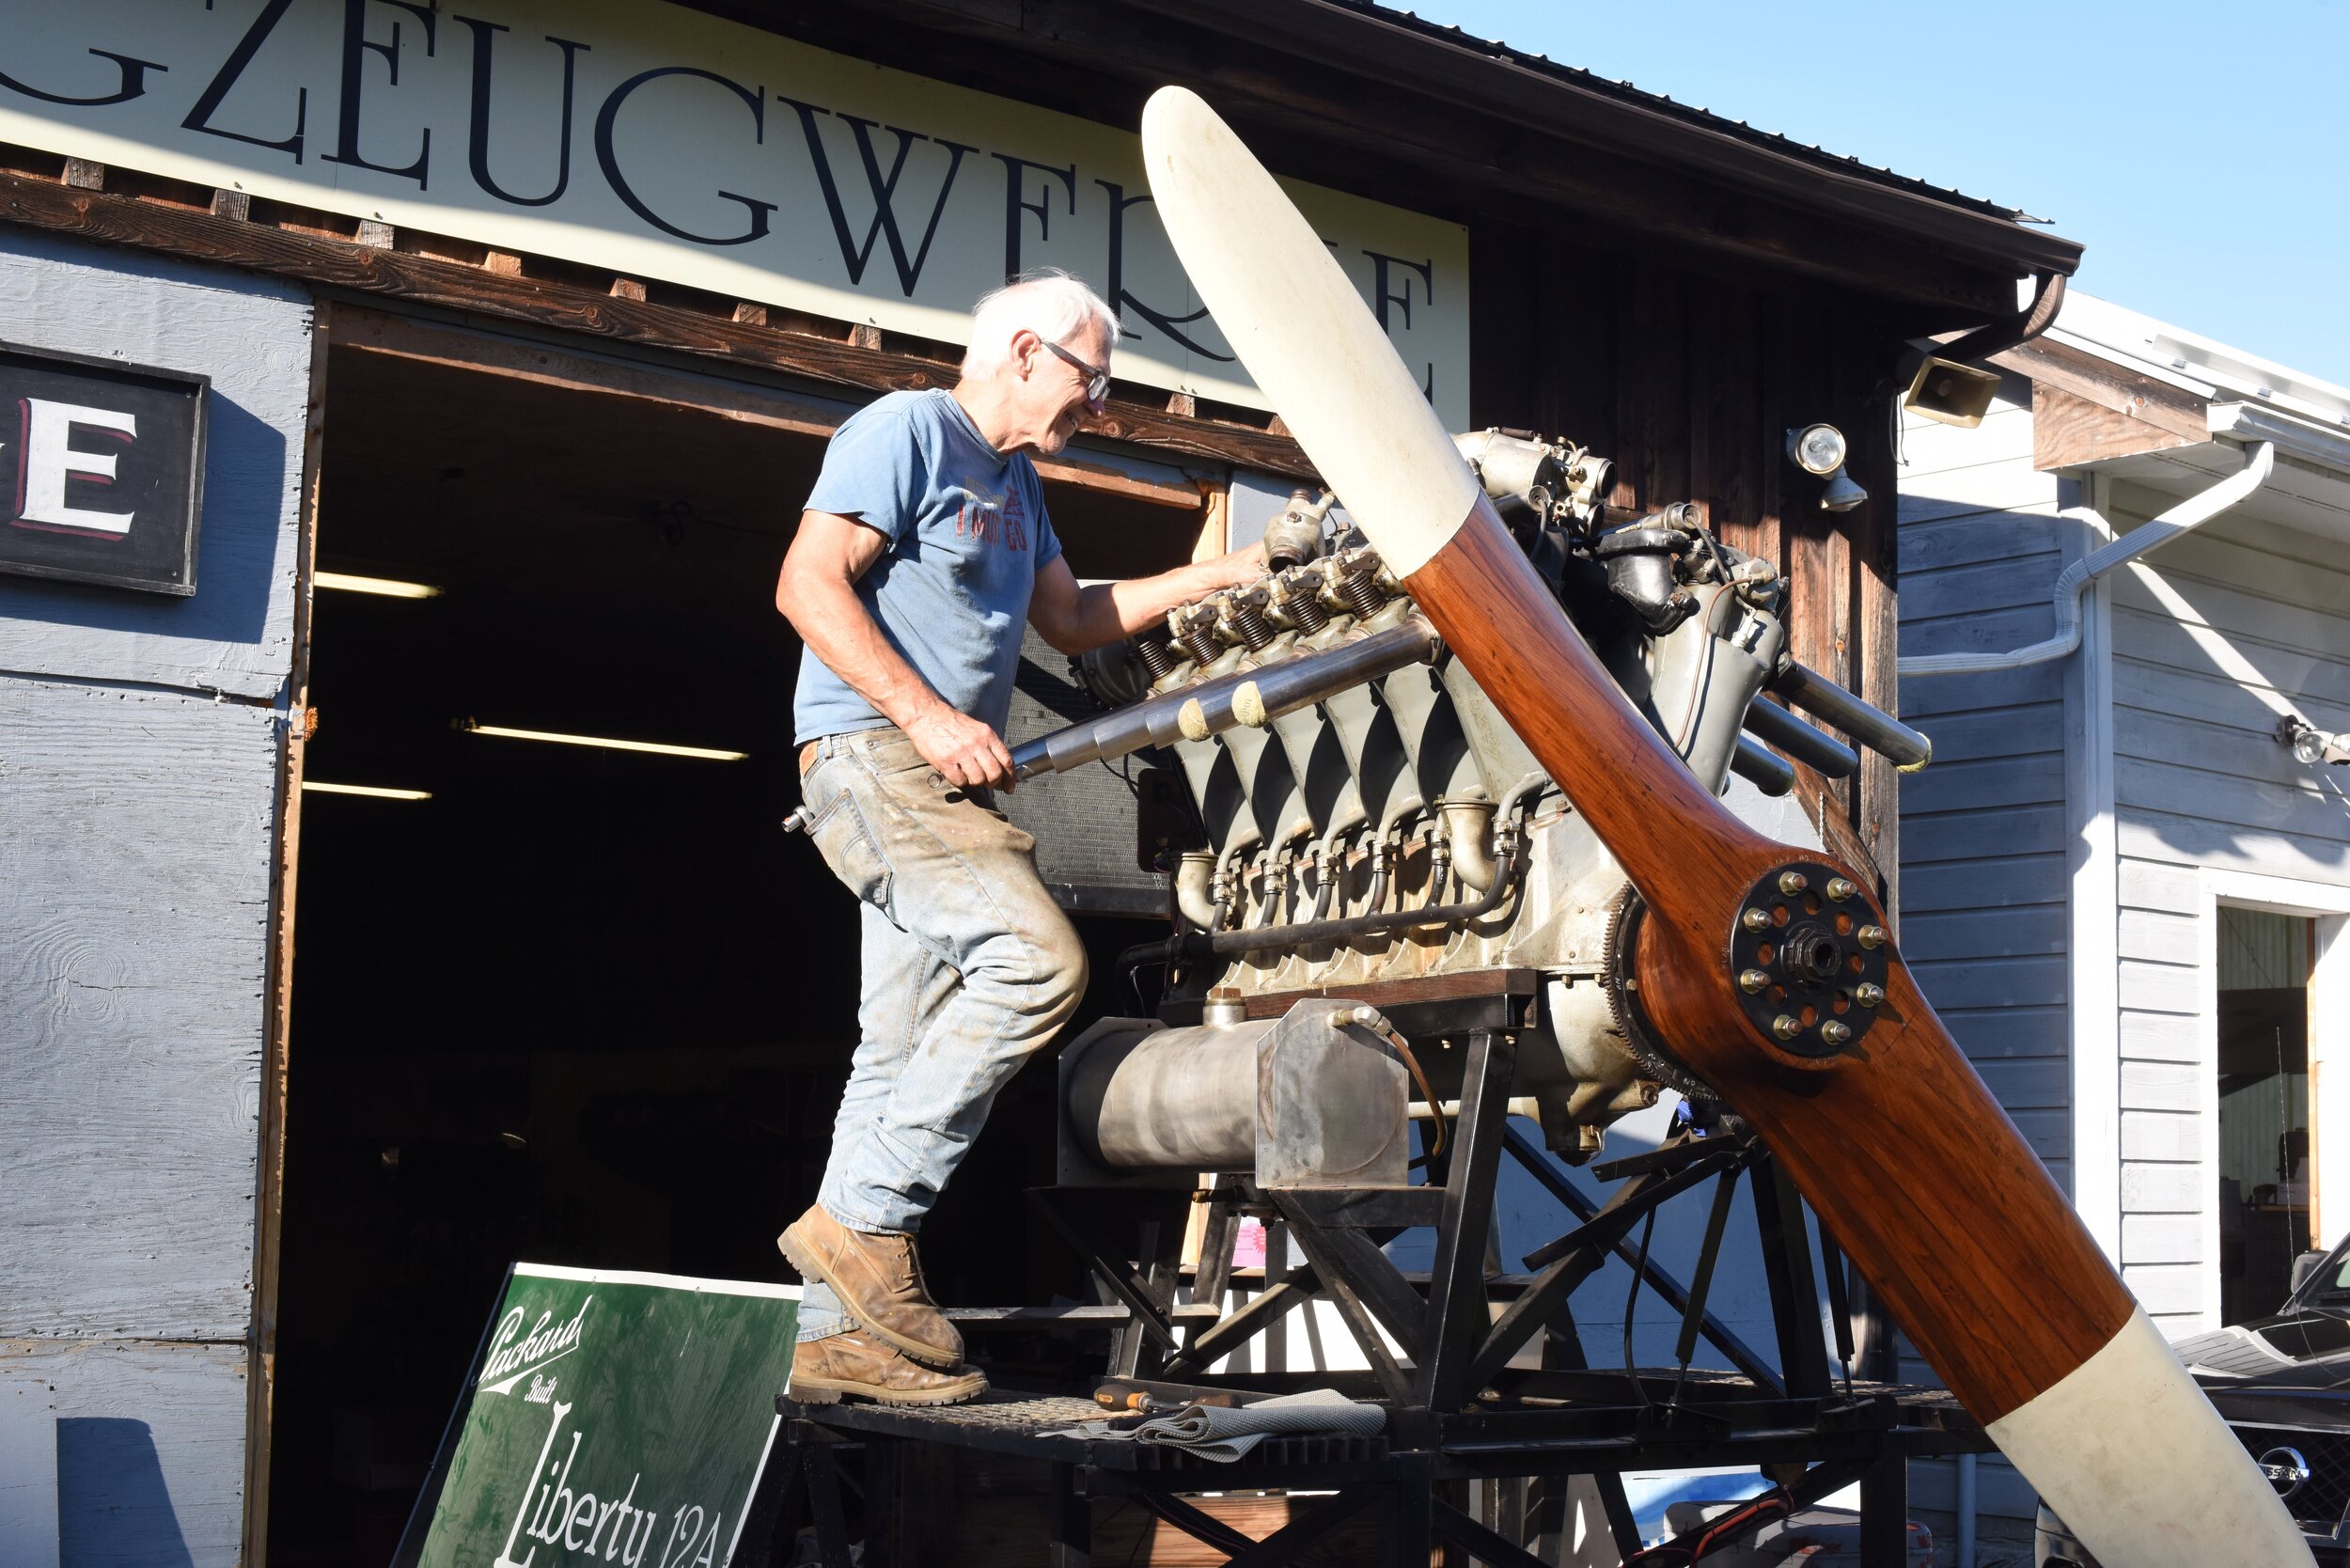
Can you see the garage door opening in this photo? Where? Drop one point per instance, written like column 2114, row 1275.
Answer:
column 552, row 999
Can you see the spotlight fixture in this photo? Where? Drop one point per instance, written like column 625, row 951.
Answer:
column 660, row 748
column 377, row 792
column 387, row 588
column 1821, row 450
column 2311, row 746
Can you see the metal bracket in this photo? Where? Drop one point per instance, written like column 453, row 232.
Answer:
column 1808, row 958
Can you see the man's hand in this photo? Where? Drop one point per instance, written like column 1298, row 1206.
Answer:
column 965, row 752
column 1236, row 567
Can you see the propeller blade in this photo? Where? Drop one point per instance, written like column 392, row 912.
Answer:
column 1908, row 1160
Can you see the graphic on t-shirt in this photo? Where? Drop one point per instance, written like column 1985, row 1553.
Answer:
column 993, row 517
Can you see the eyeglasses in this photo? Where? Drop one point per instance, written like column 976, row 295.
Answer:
column 1097, row 381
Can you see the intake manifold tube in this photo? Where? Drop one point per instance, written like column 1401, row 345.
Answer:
column 1253, row 695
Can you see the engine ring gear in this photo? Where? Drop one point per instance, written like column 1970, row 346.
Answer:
column 1617, row 951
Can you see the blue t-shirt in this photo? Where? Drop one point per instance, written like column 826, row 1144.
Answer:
column 967, row 535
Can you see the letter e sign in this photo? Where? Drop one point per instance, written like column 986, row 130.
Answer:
column 101, row 470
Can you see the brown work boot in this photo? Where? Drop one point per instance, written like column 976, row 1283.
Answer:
column 851, row 1363
column 878, row 1279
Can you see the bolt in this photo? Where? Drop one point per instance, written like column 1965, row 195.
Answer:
column 1868, row 993
column 1756, row 920
column 1753, row 980
column 1792, row 883
column 1786, row 1027
column 1869, row 936
column 1838, row 890
column 1834, row 1032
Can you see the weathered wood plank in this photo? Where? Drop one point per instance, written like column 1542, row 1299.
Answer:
column 1981, row 537
column 129, row 1136
column 2224, row 606
column 2028, row 1084
column 2084, row 375
column 151, row 1448
column 2158, row 937
column 2070, row 431
column 2035, row 982
column 1998, row 584
column 2161, row 1239
column 202, row 237
column 1993, row 488
column 2218, row 699
column 1925, row 696
column 2160, row 1036
column 235, row 634
column 1965, row 881
column 2163, row 1086
column 1999, row 1033
column 2228, row 846
column 2162, row 1136
column 2160, row 987
column 2022, row 730
column 2167, row 1289
column 1993, row 781
column 2155, row 884
column 2162, row 1189
column 2017, row 830
column 2227, row 800
column 2036, row 930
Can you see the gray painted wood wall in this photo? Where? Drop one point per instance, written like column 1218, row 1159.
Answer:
column 1986, row 863
column 2200, row 780
column 139, row 748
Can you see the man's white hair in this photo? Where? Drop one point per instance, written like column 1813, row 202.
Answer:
column 1053, row 303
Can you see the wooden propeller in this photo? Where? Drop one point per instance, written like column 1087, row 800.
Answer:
column 1747, row 975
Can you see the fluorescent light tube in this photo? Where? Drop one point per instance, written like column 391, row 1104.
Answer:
column 706, row 753
column 310, row 786
column 389, row 588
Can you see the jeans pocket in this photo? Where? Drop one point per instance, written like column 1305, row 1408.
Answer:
column 845, row 839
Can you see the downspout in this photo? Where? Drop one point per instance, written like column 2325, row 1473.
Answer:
column 2073, row 582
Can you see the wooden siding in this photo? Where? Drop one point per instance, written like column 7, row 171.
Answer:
column 2213, row 639
column 134, row 882
column 1689, row 385
column 1984, row 880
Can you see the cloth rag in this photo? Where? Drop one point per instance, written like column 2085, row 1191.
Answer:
column 1225, row 1436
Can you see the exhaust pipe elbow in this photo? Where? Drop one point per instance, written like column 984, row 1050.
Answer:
column 1195, row 900
column 1469, row 827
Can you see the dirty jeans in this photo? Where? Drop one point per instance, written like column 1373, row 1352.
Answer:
column 968, row 966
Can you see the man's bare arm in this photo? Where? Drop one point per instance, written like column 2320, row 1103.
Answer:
column 1074, row 618
column 817, row 593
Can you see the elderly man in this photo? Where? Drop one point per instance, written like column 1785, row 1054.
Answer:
column 924, row 547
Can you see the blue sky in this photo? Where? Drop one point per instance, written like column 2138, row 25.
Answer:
column 2201, row 153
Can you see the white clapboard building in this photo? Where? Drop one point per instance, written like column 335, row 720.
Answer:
column 2120, row 593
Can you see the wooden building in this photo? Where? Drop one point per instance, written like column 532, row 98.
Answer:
column 2120, row 885
column 549, row 308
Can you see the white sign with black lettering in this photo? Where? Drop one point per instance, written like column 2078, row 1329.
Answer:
column 664, row 144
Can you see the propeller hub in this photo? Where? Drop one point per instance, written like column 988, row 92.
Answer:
column 1808, row 954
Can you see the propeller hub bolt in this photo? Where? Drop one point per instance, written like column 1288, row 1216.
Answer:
column 1792, row 883
column 1835, row 1032
column 1838, row 890
column 1871, row 938
column 1786, row 1027
column 1867, row 993
column 1752, row 981
column 1755, row 920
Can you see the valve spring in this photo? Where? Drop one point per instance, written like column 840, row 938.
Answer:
column 1154, row 658
column 1201, row 646
column 1305, row 609
column 1361, row 591
column 1250, row 626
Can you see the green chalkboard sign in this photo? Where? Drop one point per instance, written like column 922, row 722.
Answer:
column 609, row 1419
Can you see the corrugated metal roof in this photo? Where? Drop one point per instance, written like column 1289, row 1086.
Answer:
column 1658, row 104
